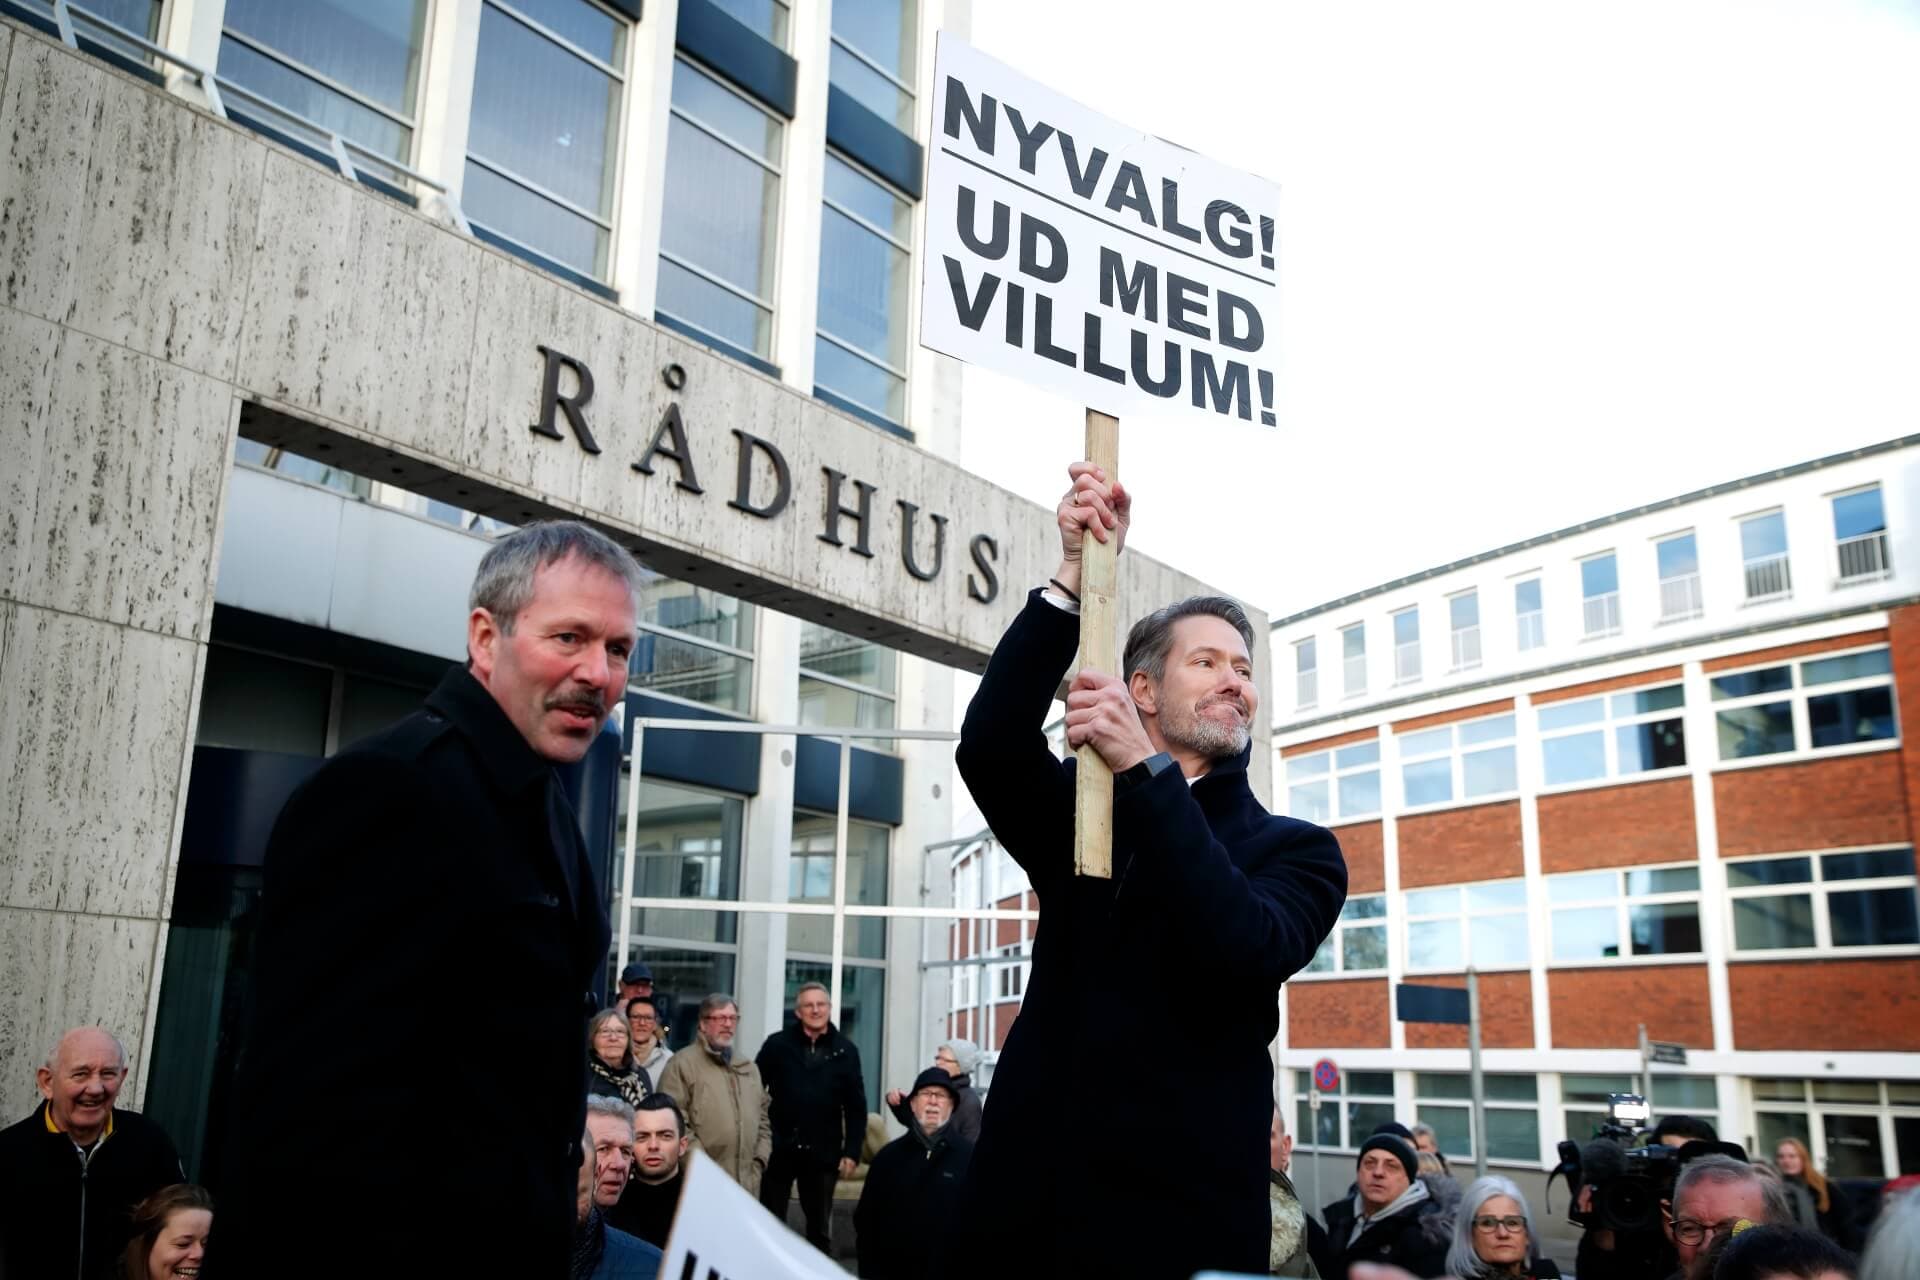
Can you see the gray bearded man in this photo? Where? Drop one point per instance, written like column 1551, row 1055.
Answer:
column 1200, row 872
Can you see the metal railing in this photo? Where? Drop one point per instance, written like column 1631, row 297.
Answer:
column 1602, row 614
column 1466, row 647
column 1532, row 629
column 1680, row 598
column 1864, row 556
column 1768, row 577
column 1306, row 691
column 1406, row 661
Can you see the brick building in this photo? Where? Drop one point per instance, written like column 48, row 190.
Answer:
column 1647, row 770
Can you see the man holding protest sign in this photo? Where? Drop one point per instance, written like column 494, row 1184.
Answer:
column 1200, row 871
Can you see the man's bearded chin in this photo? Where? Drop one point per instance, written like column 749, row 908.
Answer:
column 1192, row 731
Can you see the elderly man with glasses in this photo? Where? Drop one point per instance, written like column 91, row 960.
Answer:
column 649, row 1051
column 722, row 1095
column 1712, row 1195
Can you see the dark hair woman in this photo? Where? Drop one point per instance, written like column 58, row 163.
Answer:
column 170, row 1229
column 611, row 1069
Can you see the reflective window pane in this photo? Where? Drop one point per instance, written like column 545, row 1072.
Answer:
column 1359, row 793
column 1676, row 557
column 1491, row 729
column 1513, row 1088
column 719, row 209
column 1512, row 1135
column 1434, row 944
column 695, row 611
column 1866, row 866
column 1873, row 917
column 1592, row 886
column 1364, row 948
column 1691, row 1094
column 1498, row 896
column 498, row 204
column 1364, row 1117
column 1755, row 731
column 834, row 653
column 1644, row 747
column 1498, row 940
column 1853, row 1146
column 765, row 18
column 1665, row 698
column 1323, row 956
column 1308, row 802
column 1856, row 514
column 876, row 204
column 1368, row 906
column 1373, row 1083
column 1360, row 753
column 1663, row 880
column 1406, row 626
column 308, row 98
column 1441, row 1084
column 370, row 46
column 1426, row 742
column 592, row 28
column 720, row 312
column 1452, row 1128
column 663, row 664
column 1858, row 715
column 1589, row 933
column 1486, row 773
column 725, row 113
column 1769, row 871
column 864, row 281
column 688, row 844
column 1599, row 576
column 1429, row 782
column 1766, row 924
column 1565, row 715
column 1763, row 536
column 1664, row 928
column 1464, row 610
column 1308, row 766
column 813, row 845
column 1766, row 680
column 1852, row 666
column 1430, row 902
column 866, row 384
column 883, row 30
column 832, row 705
column 1578, row 757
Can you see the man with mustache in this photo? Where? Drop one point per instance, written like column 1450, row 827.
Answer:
column 1212, row 905
column 447, row 832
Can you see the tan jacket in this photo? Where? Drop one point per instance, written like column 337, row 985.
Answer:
column 726, row 1108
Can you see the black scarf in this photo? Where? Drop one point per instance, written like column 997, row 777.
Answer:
column 589, row 1242
column 632, row 1082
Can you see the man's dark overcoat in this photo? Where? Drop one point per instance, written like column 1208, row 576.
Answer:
column 430, row 937
column 1213, row 904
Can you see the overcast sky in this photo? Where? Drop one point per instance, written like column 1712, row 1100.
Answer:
column 1539, row 262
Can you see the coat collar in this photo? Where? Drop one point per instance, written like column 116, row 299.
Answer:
column 504, row 753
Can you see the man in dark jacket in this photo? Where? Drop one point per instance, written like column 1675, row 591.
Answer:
column 818, row 1112
column 1200, row 871
column 909, row 1204
column 71, row 1173
column 1391, row 1217
column 400, row 852
column 646, row 1208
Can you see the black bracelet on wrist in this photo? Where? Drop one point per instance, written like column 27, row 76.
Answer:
column 1061, row 587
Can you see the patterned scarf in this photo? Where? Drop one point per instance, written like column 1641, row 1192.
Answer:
column 589, row 1242
column 630, row 1081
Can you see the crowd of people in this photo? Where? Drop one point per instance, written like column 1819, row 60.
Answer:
column 1726, row 1218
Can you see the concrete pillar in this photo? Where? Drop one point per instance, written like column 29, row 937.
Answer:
column 802, row 187
column 446, row 92
column 643, row 159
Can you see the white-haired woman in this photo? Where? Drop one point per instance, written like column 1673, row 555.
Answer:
column 1493, row 1235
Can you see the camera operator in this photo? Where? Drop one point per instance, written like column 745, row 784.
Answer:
column 1678, row 1131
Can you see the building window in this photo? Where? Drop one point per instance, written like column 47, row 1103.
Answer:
column 1338, row 784
column 1586, row 1099
column 866, row 258
column 1483, row 925
column 1613, row 735
column 1306, row 674
column 1855, row 1128
column 1820, row 703
column 1010, row 976
column 687, row 845
column 1529, row 618
column 1860, row 535
column 350, row 67
column 765, row 18
column 1358, row 943
column 695, row 645
column 1353, row 657
column 1600, row 595
column 966, row 987
column 1644, row 911
column 873, row 56
column 810, row 879
column 1463, row 616
column 1461, row 761
column 717, row 234
column 544, row 141
column 1821, row 902
column 1363, row 1102
column 846, row 682
column 1763, row 552
column 1679, row 564
column 1406, row 645
column 1444, row 1099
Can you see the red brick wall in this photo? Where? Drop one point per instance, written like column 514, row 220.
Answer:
column 1479, row 842
column 1603, row 1008
column 1449, row 717
column 1824, row 1005
column 1362, row 843
column 1618, row 826
column 1506, row 1014
column 1785, row 651
column 1665, row 675
column 1340, row 1014
column 1321, row 744
column 1906, row 682
column 1818, row 804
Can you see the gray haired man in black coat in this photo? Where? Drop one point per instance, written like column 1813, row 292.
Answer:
column 1234, row 898
column 401, row 853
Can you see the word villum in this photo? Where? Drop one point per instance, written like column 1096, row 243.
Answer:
column 845, row 523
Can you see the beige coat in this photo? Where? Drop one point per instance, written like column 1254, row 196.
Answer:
column 726, row 1108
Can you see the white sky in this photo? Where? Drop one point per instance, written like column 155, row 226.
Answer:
column 1540, row 261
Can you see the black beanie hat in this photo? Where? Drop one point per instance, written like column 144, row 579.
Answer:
column 1397, row 1147
column 935, row 1078
column 1393, row 1127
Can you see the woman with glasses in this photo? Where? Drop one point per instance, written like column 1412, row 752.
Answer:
column 1493, row 1235
column 611, row 1070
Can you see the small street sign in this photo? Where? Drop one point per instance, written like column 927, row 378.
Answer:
column 1665, row 1051
column 1326, row 1075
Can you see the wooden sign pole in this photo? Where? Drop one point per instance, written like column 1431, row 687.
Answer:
column 1093, row 794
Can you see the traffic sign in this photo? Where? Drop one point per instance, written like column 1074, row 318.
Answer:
column 1667, row 1052
column 1326, row 1075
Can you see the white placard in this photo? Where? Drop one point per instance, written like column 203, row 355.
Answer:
column 721, row 1230
column 1093, row 260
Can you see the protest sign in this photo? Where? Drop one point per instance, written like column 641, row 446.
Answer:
column 720, row 1231
column 1090, row 259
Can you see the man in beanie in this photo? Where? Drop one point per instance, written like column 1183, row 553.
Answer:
column 913, row 1187
column 1391, row 1216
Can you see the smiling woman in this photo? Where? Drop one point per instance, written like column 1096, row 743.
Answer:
column 170, row 1230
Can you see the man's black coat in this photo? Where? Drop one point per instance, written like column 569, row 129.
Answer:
column 1415, row 1239
column 1213, row 904
column 60, row 1217
column 818, row 1105
column 429, row 929
column 909, row 1205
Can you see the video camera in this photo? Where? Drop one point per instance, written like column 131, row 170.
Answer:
column 1628, row 1181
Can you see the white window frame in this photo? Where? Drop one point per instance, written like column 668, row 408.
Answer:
column 1798, row 695
column 1607, row 616
column 1334, row 944
column 1607, row 725
column 1680, row 596
column 890, row 696
column 1406, row 653
column 1466, row 640
column 1353, row 664
column 1306, row 674
column 1458, row 752
column 1885, row 1111
column 1463, row 915
column 1749, row 567
column 1873, row 546
column 1530, row 625
column 1011, row 972
column 1309, row 771
column 1423, row 1101
column 1818, row 888
column 1623, row 901
column 857, row 54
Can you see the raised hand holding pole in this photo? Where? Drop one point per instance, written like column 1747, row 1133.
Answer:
column 1093, row 792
